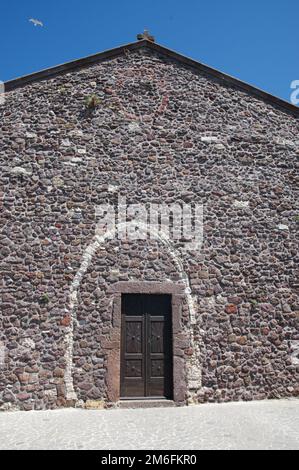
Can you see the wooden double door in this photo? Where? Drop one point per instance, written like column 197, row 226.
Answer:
column 146, row 346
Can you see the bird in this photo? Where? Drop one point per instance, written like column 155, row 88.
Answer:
column 36, row 22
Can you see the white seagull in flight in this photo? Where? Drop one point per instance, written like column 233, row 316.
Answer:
column 36, row 22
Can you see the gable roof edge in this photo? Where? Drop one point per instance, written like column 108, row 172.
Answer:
column 228, row 79
column 71, row 65
column 110, row 53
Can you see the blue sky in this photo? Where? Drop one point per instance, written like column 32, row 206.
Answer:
column 254, row 40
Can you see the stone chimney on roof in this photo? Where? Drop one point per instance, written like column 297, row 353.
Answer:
column 145, row 35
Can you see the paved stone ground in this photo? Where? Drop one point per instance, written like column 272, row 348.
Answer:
column 251, row 425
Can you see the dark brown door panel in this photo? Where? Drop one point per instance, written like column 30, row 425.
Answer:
column 146, row 349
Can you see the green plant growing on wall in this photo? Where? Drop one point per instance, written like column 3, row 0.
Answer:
column 44, row 299
column 92, row 101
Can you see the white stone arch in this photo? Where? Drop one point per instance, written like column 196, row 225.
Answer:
column 87, row 258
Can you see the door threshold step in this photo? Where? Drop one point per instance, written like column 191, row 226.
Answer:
column 146, row 403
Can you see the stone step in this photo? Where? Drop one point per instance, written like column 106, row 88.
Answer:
column 156, row 403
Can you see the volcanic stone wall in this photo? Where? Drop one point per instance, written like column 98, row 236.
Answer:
column 159, row 132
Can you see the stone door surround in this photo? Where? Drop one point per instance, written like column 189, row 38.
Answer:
column 179, row 337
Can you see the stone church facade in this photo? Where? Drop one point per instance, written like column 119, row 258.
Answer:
column 144, row 123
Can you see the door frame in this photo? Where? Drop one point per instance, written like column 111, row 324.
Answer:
column 180, row 337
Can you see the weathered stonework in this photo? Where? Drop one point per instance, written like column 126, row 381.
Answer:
column 163, row 131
